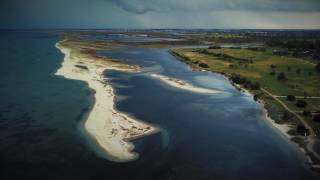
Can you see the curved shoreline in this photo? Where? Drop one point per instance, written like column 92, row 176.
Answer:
column 111, row 129
column 312, row 156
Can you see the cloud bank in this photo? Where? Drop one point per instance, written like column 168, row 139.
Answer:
column 144, row 6
column 276, row 14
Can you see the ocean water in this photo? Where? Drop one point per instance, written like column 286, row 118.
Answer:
column 221, row 136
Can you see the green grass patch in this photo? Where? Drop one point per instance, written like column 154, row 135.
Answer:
column 264, row 68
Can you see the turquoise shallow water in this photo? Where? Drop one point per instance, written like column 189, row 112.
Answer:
column 223, row 136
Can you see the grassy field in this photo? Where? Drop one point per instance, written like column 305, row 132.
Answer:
column 264, row 68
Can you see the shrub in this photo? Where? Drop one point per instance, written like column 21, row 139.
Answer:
column 203, row 65
column 289, row 68
column 196, row 62
column 272, row 73
column 214, row 47
column 291, row 98
column 301, row 104
column 236, row 78
column 306, row 113
column 285, row 115
column 316, row 117
column 273, row 66
column 282, row 77
column 318, row 67
column 81, row 67
column 301, row 129
column 255, row 86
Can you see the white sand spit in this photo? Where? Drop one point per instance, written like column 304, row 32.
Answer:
column 111, row 129
column 177, row 83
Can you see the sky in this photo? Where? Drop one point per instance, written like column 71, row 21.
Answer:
column 218, row 14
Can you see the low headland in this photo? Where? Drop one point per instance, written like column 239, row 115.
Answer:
column 112, row 130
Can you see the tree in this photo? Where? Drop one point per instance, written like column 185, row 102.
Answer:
column 301, row 104
column 289, row 68
column 273, row 66
column 285, row 115
column 255, row 86
column 316, row 117
column 306, row 113
column 318, row 67
column 282, row 77
column 272, row 73
column 291, row 98
column 301, row 129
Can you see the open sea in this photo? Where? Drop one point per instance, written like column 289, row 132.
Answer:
column 203, row 137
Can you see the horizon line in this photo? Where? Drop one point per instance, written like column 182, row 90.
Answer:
column 288, row 29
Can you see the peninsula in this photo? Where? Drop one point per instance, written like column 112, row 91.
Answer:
column 112, row 130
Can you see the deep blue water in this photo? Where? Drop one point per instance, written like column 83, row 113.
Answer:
column 222, row 136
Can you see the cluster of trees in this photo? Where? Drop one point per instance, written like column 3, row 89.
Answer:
column 257, row 48
column 286, row 115
column 302, row 44
column 281, row 76
column 214, row 47
column 300, row 103
column 238, row 79
column 295, row 44
column 316, row 116
column 224, row 57
column 299, row 48
column 301, row 129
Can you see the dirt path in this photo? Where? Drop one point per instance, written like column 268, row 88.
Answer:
column 300, row 97
column 303, row 121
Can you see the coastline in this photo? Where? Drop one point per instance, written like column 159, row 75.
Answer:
column 309, row 152
column 312, row 157
column 111, row 129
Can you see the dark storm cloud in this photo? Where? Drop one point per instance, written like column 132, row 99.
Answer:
column 159, row 14
column 144, row 6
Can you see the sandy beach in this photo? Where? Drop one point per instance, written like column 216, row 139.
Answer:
column 111, row 129
column 177, row 83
